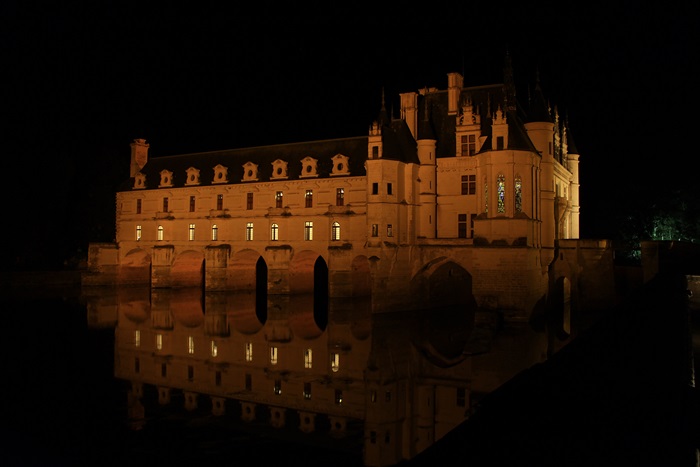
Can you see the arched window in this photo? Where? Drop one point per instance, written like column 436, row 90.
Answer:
column 274, row 232
column 501, row 193
column 214, row 232
column 518, row 194
column 335, row 231
column 308, row 230
column 160, row 232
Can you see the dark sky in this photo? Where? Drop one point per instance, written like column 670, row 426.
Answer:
column 83, row 82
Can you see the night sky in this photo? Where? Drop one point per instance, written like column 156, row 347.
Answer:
column 81, row 82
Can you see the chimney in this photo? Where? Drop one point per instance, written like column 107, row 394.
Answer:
column 139, row 156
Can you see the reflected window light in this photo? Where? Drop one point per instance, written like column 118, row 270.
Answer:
column 214, row 349
column 159, row 341
column 190, row 345
column 248, row 351
column 308, row 360
column 137, row 338
column 278, row 387
column 335, row 362
column 273, row 355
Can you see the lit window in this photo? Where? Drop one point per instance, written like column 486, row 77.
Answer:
column 278, row 387
column 468, row 184
column 214, row 232
column 461, row 226
column 137, row 338
column 138, row 206
column 273, row 355
column 375, row 230
column 308, row 230
column 190, row 345
column 160, row 233
column 138, row 233
column 335, row 362
column 518, row 194
column 191, row 203
column 159, row 341
column 249, row 201
column 219, row 202
column 279, row 199
column 335, row 231
column 191, row 237
column 389, row 230
column 501, row 192
column 307, row 391
column 309, row 198
column 249, row 231
column 274, row 232
column 214, row 349
column 308, row 361
column 338, row 396
column 248, row 351
column 340, row 196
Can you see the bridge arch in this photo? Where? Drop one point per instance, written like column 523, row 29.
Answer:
column 135, row 268
column 442, row 282
column 308, row 274
column 187, row 269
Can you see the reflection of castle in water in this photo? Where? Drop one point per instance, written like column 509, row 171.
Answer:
column 390, row 384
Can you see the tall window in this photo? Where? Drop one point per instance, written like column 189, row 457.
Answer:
column 219, row 202
column 309, row 198
column 165, row 204
column 248, row 351
column 273, row 355
column 159, row 341
column 499, row 142
column 214, row 232
column 160, row 233
column 191, row 237
column 138, row 206
column 137, row 338
column 340, row 196
column 501, row 193
column 335, row 231
column 307, row 391
column 468, row 145
column 389, row 230
column 518, row 194
column 249, row 201
column 375, row 230
column 389, row 189
column 468, row 184
column 138, row 233
column 375, row 152
column 249, row 231
column 274, row 232
column 214, row 349
column 308, row 360
column 471, row 225
column 375, row 188
column 308, row 230
column 279, row 199
column 191, row 203
column 190, row 345
column 461, row 226
column 335, row 362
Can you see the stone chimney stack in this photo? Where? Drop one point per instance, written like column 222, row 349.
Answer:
column 139, row 156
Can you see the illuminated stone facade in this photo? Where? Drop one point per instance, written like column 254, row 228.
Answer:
column 468, row 197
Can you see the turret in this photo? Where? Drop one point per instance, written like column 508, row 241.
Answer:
column 428, row 176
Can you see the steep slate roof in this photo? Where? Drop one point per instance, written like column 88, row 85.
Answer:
column 234, row 159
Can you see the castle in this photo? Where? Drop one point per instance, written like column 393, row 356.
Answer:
column 469, row 198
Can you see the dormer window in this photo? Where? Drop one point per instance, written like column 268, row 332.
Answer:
column 139, row 181
column 192, row 176
column 166, row 179
column 340, row 165
column 279, row 169
column 308, row 167
column 250, row 172
column 220, row 174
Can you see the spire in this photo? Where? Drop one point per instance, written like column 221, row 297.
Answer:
column 539, row 108
column 508, row 84
column 425, row 128
column 571, row 147
column 383, row 118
